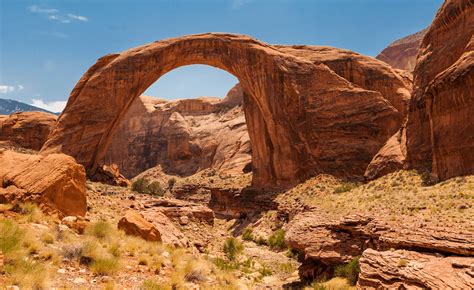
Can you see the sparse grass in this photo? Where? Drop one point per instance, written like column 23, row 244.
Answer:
column 350, row 271
column 11, row 236
column 32, row 212
column 265, row 271
column 345, row 187
column 336, row 283
column 232, row 248
column 99, row 229
column 247, row 234
column 105, row 266
column 277, row 240
column 153, row 285
column 27, row 274
column 48, row 238
column 226, row 265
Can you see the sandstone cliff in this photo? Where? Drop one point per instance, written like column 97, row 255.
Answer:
column 402, row 53
column 440, row 128
column 182, row 136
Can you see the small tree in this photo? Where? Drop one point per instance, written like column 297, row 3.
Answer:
column 155, row 188
column 171, row 183
column 140, row 185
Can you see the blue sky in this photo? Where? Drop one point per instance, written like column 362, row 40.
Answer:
column 46, row 46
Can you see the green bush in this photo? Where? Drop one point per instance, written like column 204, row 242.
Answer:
column 10, row 236
column 142, row 185
column 277, row 240
column 171, row 183
column 247, row 234
column 225, row 265
column 232, row 248
column 350, row 271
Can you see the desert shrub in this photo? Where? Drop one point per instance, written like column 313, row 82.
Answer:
column 155, row 188
column 105, row 266
column 195, row 272
column 350, row 271
column 99, row 229
column 247, row 234
column 277, row 240
column 114, row 250
column 225, row 265
column 171, row 183
column 265, row 271
column 152, row 285
column 71, row 251
column 261, row 241
column 345, row 187
column 232, row 248
column 140, row 185
column 11, row 236
column 31, row 211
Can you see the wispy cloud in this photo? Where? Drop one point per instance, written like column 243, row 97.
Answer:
column 55, row 15
column 236, row 4
column 53, row 106
column 40, row 10
column 5, row 89
column 78, row 17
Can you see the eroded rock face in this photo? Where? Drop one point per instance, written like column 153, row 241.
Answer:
column 440, row 128
column 326, row 242
column 55, row 181
column 295, row 108
column 402, row 53
column 183, row 136
column 402, row 269
column 26, row 129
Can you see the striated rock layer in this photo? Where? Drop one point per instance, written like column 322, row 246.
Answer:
column 27, row 129
column 295, row 108
column 55, row 181
column 402, row 53
column 183, row 136
column 440, row 128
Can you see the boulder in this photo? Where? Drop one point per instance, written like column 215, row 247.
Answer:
column 404, row 269
column 110, row 174
column 55, row 180
column 402, row 53
column 170, row 234
column 175, row 209
column 440, row 127
column 133, row 223
column 26, row 129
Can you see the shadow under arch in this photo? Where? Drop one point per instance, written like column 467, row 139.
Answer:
column 284, row 96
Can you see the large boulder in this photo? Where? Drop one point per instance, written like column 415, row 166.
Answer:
column 404, row 269
column 26, row 129
column 55, row 181
column 440, row 127
column 133, row 223
column 402, row 53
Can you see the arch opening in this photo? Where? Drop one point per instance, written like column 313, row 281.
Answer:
column 183, row 131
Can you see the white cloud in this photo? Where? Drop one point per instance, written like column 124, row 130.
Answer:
column 54, row 106
column 5, row 89
column 59, row 19
column 37, row 9
column 78, row 17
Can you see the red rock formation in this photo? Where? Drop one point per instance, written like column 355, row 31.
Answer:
column 302, row 117
column 402, row 53
column 402, row 269
column 26, row 129
column 440, row 128
column 55, row 181
column 182, row 136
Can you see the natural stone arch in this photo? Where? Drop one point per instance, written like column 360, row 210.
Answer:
column 285, row 97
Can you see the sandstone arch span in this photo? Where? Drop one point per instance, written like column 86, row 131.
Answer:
column 303, row 118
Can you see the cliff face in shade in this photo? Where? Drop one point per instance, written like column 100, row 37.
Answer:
column 182, row 136
column 27, row 129
column 440, row 128
column 303, row 118
column 402, row 53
